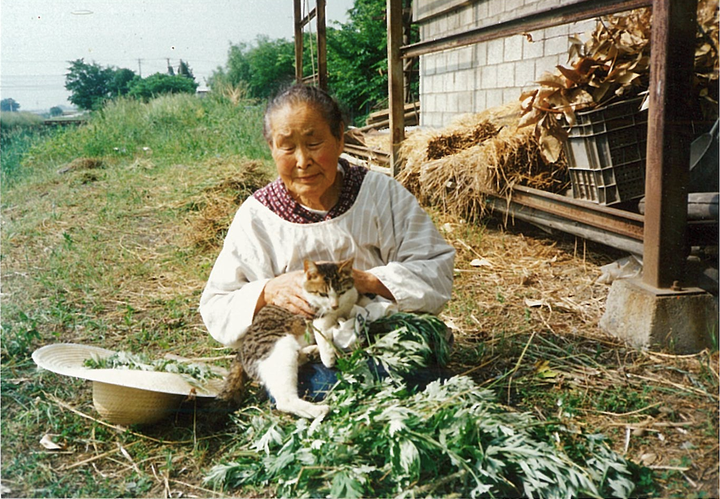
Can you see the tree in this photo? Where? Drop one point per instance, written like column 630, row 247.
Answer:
column 160, row 84
column 357, row 58
column 89, row 84
column 9, row 105
column 56, row 111
column 264, row 67
column 122, row 81
column 184, row 70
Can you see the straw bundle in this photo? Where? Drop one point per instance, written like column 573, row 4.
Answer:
column 476, row 156
column 217, row 204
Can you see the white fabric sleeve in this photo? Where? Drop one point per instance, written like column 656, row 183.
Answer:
column 227, row 304
column 419, row 272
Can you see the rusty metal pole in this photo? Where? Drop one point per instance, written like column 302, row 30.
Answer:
column 298, row 42
column 668, row 143
column 395, row 81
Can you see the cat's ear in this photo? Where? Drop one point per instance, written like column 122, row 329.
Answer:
column 347, row 264
column 311, row 269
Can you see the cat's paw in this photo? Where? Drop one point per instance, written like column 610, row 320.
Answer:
column 320, row 411
column 305, row 409
column 308, row 353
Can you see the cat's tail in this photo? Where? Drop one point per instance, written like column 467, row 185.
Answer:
column 233, row 390
column 230, row 397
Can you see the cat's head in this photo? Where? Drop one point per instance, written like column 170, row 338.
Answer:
column 329, row 286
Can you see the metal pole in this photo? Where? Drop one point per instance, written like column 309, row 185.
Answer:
column 668, row 142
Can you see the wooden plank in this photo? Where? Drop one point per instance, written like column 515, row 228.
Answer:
column 619, row 222
column 298, row 42
column 395, row 81
column 578, row 11
column 306, row 20
column 558, row 221
column 668, row 142
column 322, row 45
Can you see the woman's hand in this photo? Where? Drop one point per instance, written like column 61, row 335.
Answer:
column 286, row 291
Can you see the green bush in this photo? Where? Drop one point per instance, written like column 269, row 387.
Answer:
column 162, row 84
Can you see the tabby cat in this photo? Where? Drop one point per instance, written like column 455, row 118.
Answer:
column 277, row 342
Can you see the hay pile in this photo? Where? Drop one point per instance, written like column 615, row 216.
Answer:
column 216, row 205
column 476, row 156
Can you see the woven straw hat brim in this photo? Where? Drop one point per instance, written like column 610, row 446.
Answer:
column 68, row 358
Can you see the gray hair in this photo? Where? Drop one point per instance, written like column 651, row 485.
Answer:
column 312, row 96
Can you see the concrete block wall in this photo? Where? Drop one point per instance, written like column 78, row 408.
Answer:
column 477, row 77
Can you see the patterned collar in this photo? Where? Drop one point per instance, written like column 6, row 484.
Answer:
column 276, row 197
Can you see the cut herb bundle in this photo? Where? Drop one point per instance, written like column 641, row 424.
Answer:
column 127, row 360
column 381, row 439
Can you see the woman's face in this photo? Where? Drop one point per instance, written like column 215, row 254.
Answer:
column 306, row 154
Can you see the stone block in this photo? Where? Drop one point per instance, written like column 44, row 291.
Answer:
column 479, row 101
column 494, row 98
column 481, row 11
column 506, row 75
column 465, row 80
column 525, row 73
column 511, row 94
column 536, row 48
column 480, row 55
column 513, row 48
column 489, row 77
column 684, row 321
column 545, row 65
column 556, row 45
column 465, row 57
column 495, row 51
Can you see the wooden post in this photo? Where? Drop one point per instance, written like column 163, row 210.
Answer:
column 298, row 42
column 668, row 141
column 395, row 81
column 321, row 45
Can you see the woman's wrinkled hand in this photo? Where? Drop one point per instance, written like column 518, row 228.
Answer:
column 286, row 291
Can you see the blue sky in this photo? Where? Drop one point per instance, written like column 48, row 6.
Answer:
column 39, row 37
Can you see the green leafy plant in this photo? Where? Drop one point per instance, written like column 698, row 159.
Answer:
column 383, row 438
column 127, row 360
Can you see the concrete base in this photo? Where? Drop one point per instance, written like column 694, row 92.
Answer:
column 682, row 321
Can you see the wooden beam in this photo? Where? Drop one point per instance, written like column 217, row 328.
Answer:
column 578, row 11
column 395, row 81
column 298, row 42
column 306, row 20
column 669, row 137
column 322, row 45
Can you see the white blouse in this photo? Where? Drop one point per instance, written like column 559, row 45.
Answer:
column 386, row 230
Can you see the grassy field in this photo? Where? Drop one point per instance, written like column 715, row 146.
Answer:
column 109, row 231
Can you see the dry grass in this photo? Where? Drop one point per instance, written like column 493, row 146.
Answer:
column 218, row 203
column 476, row 156
column 526, row 309
column 121, row 262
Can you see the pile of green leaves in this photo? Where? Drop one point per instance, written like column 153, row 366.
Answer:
column 140, row 362
column 384, row 439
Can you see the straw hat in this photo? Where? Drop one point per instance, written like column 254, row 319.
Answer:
column 125, row 396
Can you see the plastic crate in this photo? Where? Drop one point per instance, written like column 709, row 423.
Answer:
column 606, row 153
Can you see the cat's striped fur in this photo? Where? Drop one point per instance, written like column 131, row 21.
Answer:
column 278, row 342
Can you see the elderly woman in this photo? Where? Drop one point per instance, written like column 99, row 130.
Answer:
column 321, row 208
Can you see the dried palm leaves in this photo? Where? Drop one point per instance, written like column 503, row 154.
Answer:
column 613, row 64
